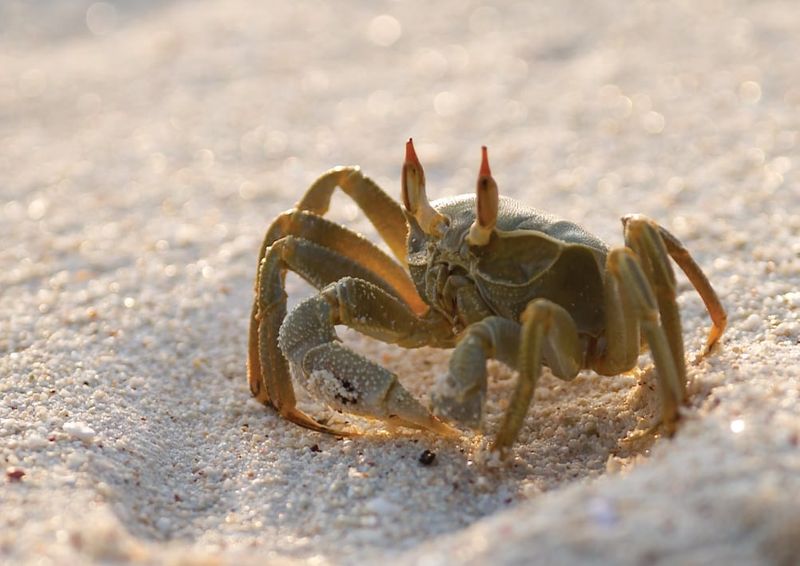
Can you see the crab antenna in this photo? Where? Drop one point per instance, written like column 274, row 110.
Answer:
column 414, row 198
column 487, row 203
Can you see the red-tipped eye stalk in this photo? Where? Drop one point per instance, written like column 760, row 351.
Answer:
column 413, row 179
column 411, row 155
column 485, row 171
column 487, row 202
column 414, row 198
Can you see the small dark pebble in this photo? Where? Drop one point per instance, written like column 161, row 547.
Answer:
column 316, row 448
column 15, row 474
column 427, row 457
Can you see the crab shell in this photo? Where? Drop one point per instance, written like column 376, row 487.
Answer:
column 530, row 254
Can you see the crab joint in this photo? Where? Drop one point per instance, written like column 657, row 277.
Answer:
column 414, row 198
column 486, row 204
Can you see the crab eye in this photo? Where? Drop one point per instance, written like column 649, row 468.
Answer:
column 416, row 239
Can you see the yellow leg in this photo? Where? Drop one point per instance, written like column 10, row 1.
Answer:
column 369, row 261
column 642, row 236
column 686, row 262
column 640, row 303
column 385, row 214
column 548, row 334
column 460, row 396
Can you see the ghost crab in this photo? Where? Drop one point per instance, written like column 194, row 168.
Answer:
column 486, row 275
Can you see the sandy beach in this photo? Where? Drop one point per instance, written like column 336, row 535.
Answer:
column 144, row 149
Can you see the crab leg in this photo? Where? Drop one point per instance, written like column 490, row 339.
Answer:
column 642, row 236
column 548, row 335
column 622, row 332
column 349, row 244
column 347, row 381
column 383, row 212
column 460, row 396
column 686, row 262
column 638, row 302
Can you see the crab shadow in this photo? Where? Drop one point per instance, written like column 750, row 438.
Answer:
column 379, row 488
column 393, row 489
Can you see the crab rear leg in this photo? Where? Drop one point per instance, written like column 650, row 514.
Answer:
column 642, row 236
column 382, row 211
column 698, row 279
column 653, row 246
column 641, row 304
column 345, row 380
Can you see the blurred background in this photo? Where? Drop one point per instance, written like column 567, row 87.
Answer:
column 196, row 123
column 577, row 103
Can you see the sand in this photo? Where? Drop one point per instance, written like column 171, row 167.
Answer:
column 145, row 147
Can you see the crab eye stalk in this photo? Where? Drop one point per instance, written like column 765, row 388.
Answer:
column 486, row 203
column 414, row 198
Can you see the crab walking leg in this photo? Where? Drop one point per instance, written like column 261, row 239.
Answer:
column 382, row 211
column 642, row 236
column 460, row 396
column 719, row 318
column 548, row 335
column 622, row 333
column 624, row 266
column 345, row 380
column 351, row 245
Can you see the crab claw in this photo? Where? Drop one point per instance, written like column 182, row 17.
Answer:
column 414, row 198
column 487, row 203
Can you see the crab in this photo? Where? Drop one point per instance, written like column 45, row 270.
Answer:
column 483, row 274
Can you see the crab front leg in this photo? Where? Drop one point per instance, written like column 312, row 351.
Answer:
column 548, row 335
column 459, row 396
column 345, row 380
